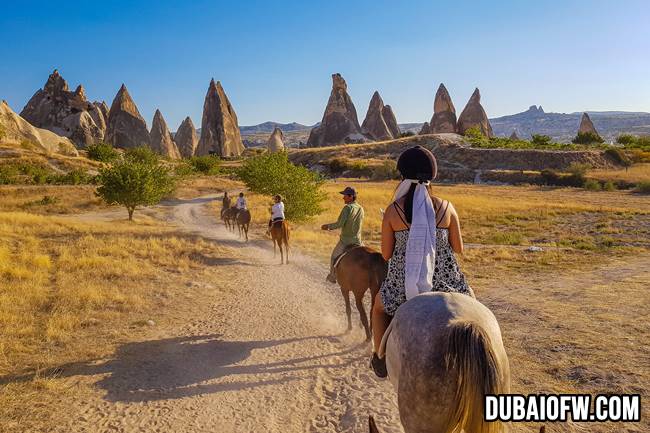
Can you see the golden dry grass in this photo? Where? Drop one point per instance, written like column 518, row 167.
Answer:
column 565, row 220
column 49, row 199
column 636, row 173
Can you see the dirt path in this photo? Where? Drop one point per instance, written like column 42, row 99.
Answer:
column 271, row 356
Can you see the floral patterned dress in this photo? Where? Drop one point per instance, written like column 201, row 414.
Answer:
column 447, row 276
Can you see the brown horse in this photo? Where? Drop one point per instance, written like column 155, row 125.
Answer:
column 228, row 216
column 280, row 236
column 357, row 270
column 243, row 219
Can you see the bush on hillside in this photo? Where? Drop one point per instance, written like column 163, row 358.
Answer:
column 273, row 173
column 142, row 154
column 135, row 181
column 587, row 138
column 643, row 187
column 540, row 140
column 592, row 185
column 207, row 164
column 386, row 171
column 630, row 141
column 103, row 152
column 618, row 156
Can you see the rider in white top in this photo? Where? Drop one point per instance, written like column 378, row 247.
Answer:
column 241, row 202
column 277, row 211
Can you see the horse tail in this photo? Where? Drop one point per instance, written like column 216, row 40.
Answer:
column 471, row 355
column 378, row 269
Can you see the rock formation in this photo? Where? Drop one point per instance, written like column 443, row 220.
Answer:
column 66, row 113
column 186, row 138
column 125, row 127
column 391, row 121
column 374, row 125
column 474, row 115
column 161, row 138
column 424, row 129
column 14, row 130
column 276, row 141
column 444, row 113
column 514, row 135
column 586, row 125
column 219, row 129
column 340, row 123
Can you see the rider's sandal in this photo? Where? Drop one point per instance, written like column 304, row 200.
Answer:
column 379, row 365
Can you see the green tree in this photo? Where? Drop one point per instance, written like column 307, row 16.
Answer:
column 142, row 154
column 132, row 182
column 103, row 152
column 540, row 140
column 273, row 173
column 587, row 138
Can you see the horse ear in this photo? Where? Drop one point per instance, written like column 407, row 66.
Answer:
column 542, row 429
column 371, row 425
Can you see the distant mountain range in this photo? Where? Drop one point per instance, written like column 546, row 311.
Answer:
column 270, row 126
column 563, row 126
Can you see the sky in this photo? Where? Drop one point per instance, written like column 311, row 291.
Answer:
column 275, row 58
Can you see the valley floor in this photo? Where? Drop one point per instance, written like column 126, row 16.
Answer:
column 263, row 347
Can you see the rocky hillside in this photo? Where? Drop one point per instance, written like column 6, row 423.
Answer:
column 456, row 160
column 563, row 127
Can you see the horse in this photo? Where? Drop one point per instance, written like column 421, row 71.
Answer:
column 357, row 270
column 444, row 352
column 243, row 219
column 280, row 236
column 228, row 216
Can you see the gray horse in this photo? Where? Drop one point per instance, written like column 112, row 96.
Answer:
column 443, row 354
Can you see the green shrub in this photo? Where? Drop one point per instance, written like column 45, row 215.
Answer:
column 540, row 140
column 387, row 170
column 73, row 177
column 135, row 181
column 103, row 152
column 643, row 187
column 592, row 185
column 626, row 139
column 142, row 154
column 207, row 164
column 273, row 173
column 609, row 186
column 618, row 156
column 47, row 200
column 587, row 138
column 8, row 174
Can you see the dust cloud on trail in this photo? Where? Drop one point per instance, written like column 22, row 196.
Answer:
column 271, row 356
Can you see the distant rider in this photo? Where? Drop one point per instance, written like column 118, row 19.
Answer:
column 225, row 202
column 277, row 211
column 350, row 221
column 241, row 202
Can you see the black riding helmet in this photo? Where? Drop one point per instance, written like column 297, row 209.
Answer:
column 417, row 163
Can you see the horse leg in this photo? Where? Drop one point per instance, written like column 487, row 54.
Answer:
column 348, row 310
column 275, row 253
column 281, row 253
column 362, row 315
column 246, row 231
column 286, row 250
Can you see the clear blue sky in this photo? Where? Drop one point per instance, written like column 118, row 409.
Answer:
column 274, row 59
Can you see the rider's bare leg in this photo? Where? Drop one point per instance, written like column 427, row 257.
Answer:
column 380, row 322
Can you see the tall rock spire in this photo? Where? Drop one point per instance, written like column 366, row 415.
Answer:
column 161, row 138
column 444, row 113
column 586, row 125
column 56, row 108
column 340, row 123
column 186, row 138
column 474, row 115
column 126, row 127
column 219, row 128
column 374, row 124
column 275, row 142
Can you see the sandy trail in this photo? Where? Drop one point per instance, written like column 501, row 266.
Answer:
column 271, row 356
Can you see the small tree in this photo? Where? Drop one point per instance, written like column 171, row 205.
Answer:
column 103, row 152
column 587, row 138
column 540, row 140
column 133, row 183
column 273, row 173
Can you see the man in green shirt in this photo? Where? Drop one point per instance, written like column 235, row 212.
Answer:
column 350, row 222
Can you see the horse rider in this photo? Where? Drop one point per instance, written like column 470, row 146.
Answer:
column 241, row 202
column 277, row 212
column 225, row 202
column 350, row 222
